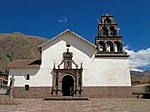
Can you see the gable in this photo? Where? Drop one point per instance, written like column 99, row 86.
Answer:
column 69, row 37
column 52, row 51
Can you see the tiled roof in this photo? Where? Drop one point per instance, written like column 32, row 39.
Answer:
column 71, row 32
column 23, row 64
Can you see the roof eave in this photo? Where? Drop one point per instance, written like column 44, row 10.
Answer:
column 64, row 32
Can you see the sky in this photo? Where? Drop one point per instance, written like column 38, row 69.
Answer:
column 47, row 18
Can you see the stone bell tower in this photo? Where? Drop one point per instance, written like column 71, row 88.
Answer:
column 108, row 41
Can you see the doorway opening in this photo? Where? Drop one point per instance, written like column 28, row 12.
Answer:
column 68, row 86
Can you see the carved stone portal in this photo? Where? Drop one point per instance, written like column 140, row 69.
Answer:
column 67, row 81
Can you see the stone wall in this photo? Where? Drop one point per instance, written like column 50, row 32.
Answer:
column 108, row 92
column 91, row 92
column 34, row 92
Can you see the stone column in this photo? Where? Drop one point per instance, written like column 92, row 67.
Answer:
column 59, row 81
column 80, row 83
column 77, row 83
column 121, row 48
column 113, row 44
column 106, row 47
column 53, row 92
column 100, row 32
column 56, row 83
column 108, row 31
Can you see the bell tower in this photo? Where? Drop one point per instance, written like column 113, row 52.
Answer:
column 108, row 41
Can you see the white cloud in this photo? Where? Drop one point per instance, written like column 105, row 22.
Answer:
column 140, row 58
column 63, row 19
column 134, row 69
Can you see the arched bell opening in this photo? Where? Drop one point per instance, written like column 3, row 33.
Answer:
column 68, row 86
column 117, row 46
column 109, row 46
column 107, row 21
column 101, row 46
column 104, row 31
column 112, row 31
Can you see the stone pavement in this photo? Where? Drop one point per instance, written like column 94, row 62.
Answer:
column 93, row 105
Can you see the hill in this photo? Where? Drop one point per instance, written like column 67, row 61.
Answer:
column 142, row 77
column 18, row 46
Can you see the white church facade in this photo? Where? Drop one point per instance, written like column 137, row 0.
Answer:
column 72, row 66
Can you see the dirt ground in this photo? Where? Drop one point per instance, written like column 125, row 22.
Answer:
column 93, row 105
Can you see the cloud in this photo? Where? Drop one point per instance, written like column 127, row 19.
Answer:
column 138, row 59
column 134, row 69
column 63, row 19
column 118, row 29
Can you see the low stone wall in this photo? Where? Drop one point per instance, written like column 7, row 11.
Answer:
column 34, row 92
column 141, row 89
column 91, row 92
column 108, row 92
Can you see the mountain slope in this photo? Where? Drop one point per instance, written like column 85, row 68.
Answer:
column 142, row 77
column 18, row 46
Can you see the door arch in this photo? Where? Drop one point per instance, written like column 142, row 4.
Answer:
column 67, row 86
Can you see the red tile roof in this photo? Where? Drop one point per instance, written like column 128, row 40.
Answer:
column 23, row 64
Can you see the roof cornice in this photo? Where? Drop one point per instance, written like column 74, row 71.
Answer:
column 63, row 33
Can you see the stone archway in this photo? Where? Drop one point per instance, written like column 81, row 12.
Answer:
column 67, row 81
column 67, row 86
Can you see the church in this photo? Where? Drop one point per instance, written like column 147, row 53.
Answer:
column 72, row 66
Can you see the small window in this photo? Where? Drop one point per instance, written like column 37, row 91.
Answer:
column 26, row 87
column 28, row 77
column 67, row 44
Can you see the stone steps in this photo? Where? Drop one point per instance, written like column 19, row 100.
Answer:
column 65, row 98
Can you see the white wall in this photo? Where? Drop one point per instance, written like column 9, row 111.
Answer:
column 37, row 77
column 108, row 71
column 100, row 71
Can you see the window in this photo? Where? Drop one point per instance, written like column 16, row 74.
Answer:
column 26, row 87
column 28, row 77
